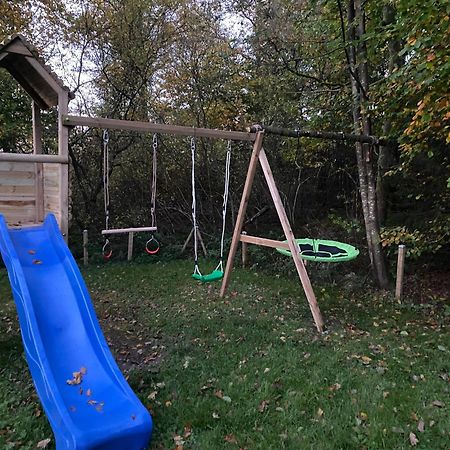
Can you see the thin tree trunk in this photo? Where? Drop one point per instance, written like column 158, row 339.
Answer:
column 386, row 152
column 364, row 153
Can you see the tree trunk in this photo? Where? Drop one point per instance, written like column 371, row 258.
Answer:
column 386, row 154
column 359, row 78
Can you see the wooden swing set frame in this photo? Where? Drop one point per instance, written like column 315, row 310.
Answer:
column 258, row 156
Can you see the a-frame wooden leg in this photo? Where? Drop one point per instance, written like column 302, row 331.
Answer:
column 304, row 278
column 242, row 209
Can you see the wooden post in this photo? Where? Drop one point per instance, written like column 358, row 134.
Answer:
column 244, row 249
column 130, row 245
column 304, row 278
column 85, row 247
column 63, row 150
column 38, row 167
column 242, row 208
column 400, row 271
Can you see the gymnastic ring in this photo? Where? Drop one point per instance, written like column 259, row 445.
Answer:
column 155, row 250
column 107, row 254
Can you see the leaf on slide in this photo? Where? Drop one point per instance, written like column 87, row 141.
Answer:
column 32, row 252
column 37, row 261
column 77, row 377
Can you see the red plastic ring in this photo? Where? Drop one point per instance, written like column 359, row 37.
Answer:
column 107, row 256
column 154, row 251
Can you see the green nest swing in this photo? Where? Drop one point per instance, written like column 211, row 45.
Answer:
column 322, row 250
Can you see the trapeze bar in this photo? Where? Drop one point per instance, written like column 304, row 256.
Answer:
column 336, row 136
column 128, row 230
column 131, row 125
column 33, row 158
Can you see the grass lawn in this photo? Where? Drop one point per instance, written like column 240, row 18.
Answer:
column 249, row 371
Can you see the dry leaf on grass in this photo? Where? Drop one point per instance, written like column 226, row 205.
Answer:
column 263, row 406
column 438, row 404
column 43, row 443
column 421, row 426
column 230, row 438
column 413, row 439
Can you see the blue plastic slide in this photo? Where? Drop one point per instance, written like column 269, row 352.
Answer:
column 86, row 398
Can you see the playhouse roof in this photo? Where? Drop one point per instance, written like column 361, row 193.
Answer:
column 22, row 61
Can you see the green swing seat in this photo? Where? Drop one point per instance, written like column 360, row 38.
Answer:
column 213, row 276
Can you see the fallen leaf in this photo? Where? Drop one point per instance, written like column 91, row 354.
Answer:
column 319, row 412
column 363, row 416
column 218, row 394
column 99, row 407
column 263, row 405
column 37, row 261
column 335, row 387
column 227, row 399
column 152, row 395
column 187, row 431
column 421, row 426
column 215, row 415
column 178, row 440
column 438, row 404
column 414, row 417
column 366, row 360
column 43, row 443
column 230, row 438
column 88, row 392
column 413, row 439
column 32, row 252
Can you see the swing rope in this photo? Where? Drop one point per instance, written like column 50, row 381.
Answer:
column 153, row 242
column 217, row 273
column 194, row 208
column 106, row 250
column 226, row 190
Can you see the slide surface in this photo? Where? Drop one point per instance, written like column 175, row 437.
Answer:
column 87, row 400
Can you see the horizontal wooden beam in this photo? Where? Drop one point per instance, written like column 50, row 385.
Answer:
column 128, row 230
column 329, row 135
column 149, row 127
column 263, row 241
column 33, row 158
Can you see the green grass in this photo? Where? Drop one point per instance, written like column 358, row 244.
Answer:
column 249, row 371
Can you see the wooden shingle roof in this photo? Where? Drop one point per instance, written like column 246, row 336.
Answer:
column 22, row 61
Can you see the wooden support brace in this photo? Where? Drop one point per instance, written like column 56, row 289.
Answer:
column 293, row 247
